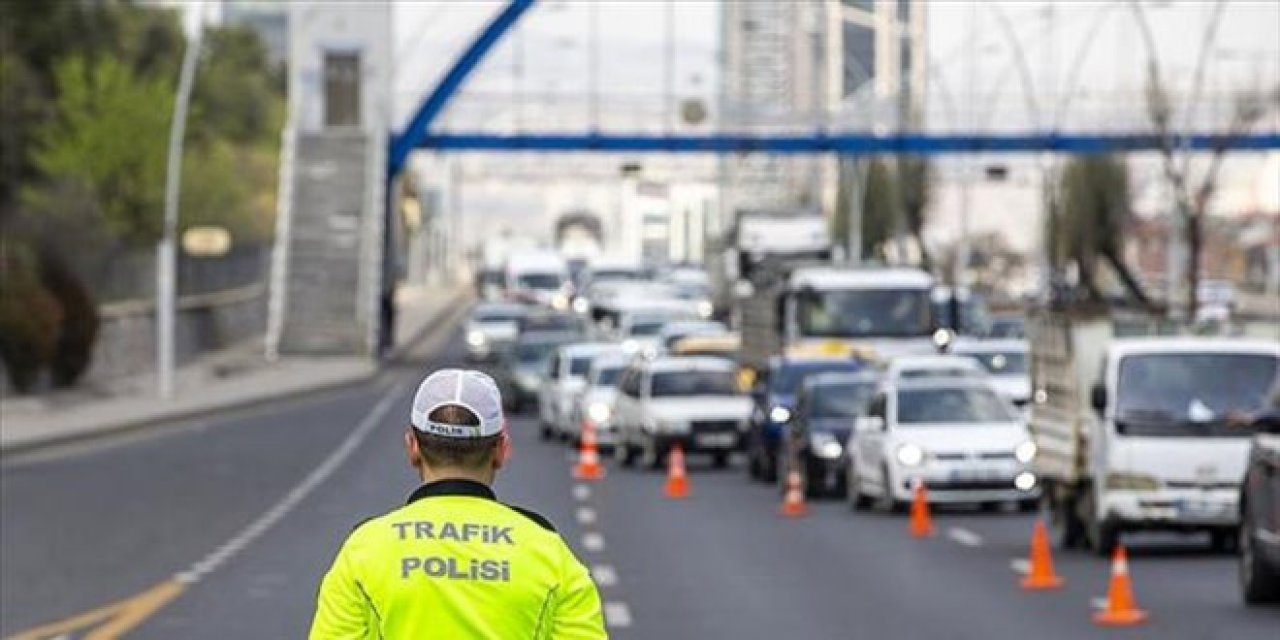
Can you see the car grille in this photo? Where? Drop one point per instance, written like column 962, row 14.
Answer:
column 968, row 485
column 1207, row 486
column 713, row 426
column 980, row 455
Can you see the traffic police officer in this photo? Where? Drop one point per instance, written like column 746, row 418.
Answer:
column 454, row 562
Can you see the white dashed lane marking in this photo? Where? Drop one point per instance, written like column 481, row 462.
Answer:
column 605, row 575
column 964, row 536
column 586, row 515
column 593, row 541
column 617, row 614
column 1020, row 565
column 581, row 492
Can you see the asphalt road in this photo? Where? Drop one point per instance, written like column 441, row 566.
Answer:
column 218, row 501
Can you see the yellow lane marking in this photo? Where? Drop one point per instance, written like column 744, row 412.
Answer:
column 111, row 621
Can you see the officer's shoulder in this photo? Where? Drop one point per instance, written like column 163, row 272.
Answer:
column 536, row 517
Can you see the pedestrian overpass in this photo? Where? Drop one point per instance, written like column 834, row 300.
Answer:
column 335, row 193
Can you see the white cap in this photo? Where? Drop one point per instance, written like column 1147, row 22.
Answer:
column 471, row 390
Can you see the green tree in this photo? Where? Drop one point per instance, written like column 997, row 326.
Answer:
column 109, row 136
column 873, row 181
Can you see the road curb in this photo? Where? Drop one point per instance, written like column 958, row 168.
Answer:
column 448, row 311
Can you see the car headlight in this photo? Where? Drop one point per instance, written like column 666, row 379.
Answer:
column 560, row 302
column 779, row 413
column 705, row 309
column 475, row 338
column 909, row 455
column 1132, row 482
column 581, row 305
column 825, row 445
column 1025, row 452
column 599, row 412
column 1025, row 481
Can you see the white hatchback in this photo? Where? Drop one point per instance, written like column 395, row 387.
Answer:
column 564, row 381
column 693, row 402
column 958, row 436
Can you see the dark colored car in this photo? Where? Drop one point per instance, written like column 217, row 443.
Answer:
column 522, row 368
column 774, row 397
column 826, row 407
column 1260, row 513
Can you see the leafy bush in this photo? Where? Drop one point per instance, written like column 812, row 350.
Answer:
column 30, row 318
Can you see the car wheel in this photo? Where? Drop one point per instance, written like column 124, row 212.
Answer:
column 1259, row 581
column 770, row 469
column 1103, row 538
column 754, row 470
column 1223, row 540
column 858, row 500
column 625, row 453
column 720, row 459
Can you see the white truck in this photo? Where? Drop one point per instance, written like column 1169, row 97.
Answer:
column 758, row 238
column 881, row 312
column 1135, row 431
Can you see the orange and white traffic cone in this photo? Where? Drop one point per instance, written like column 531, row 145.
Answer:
column 1121, row 610
column 588, row 467
column 921, row 525
column 677, row 486
column 793, row 505
column 1041, row 576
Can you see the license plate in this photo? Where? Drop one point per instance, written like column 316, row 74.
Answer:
column 1200, row 509
column 976, row 474
column 715, row 440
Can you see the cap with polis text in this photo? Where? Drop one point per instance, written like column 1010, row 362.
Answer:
column 471, row 390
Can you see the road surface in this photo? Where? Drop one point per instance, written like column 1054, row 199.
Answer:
column 221, row 528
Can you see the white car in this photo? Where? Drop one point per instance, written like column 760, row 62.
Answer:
column 693, row 402
column 904, row 368
column 564, row 380
column 958, row 436
column 1006, row 361
column 639, row 325
column 492, row 328
column 595, row 403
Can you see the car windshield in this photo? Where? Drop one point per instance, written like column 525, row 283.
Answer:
column 694, row 383
column 549, row 323
column 1001, row 362
column 1007, row 328
column 579, row 366
column 492, row 316
column 1191, row 394
column 491, row 277
column 786, row 380
column 646, row 328
column 866, row 313
column 608, row 377
column 540, row 281
column 952, row 405
column 614, row 275
column 535, row 352
column 840, row 400
column 938, row 372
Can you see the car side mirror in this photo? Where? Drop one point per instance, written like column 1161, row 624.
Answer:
column 1098, row 398
column 1268, row 422
column 867, row 424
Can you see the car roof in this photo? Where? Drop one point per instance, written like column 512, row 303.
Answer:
column 902, row 363
column 579, row 349
column 499, row 306
column 918, row 384
column 612, row 359
column 966, row 346
column 688, row 363
column 1187, row 344
column 841, row 377
column 813, row 362
column 874, row 278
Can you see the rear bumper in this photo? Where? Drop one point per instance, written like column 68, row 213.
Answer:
column 941, row 491
column 706, row 442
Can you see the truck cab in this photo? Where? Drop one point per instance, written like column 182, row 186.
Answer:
column 1136, row 433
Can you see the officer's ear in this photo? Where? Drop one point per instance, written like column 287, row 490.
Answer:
column 502, row 451
column 412, row 450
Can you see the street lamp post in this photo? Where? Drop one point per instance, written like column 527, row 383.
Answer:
column 167, row 251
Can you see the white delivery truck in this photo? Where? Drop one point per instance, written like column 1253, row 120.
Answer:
column 538, row 277
column 758, row 239
column 1137, row 432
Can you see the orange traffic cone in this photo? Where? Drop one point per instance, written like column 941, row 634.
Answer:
column 1041, row 576
column 921, row 525
column 677, row 482
column 793, row 501
column 588, row 467
column 1121, row 609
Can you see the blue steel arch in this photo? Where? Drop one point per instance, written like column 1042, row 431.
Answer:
column 417, row 134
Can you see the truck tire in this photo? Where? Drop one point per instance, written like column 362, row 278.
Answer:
column 858, row 501
column 720, row 459
column 624, row 453
column 1259, row 581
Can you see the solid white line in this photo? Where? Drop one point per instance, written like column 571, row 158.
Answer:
column 605, row 575
column 581, row 492
column 593, row 541
column 964, row 536
column 1020, row 565
column 296, row 495
column 586, row 515
column 617, row 614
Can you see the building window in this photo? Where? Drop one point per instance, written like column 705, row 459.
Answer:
column 859, row 56
column 904, row 11
column 341, row 89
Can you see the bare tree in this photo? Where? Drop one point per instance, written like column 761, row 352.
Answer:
column 915, row 186
column 1192, row 197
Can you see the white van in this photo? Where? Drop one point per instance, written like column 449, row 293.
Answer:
column 538, row 277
